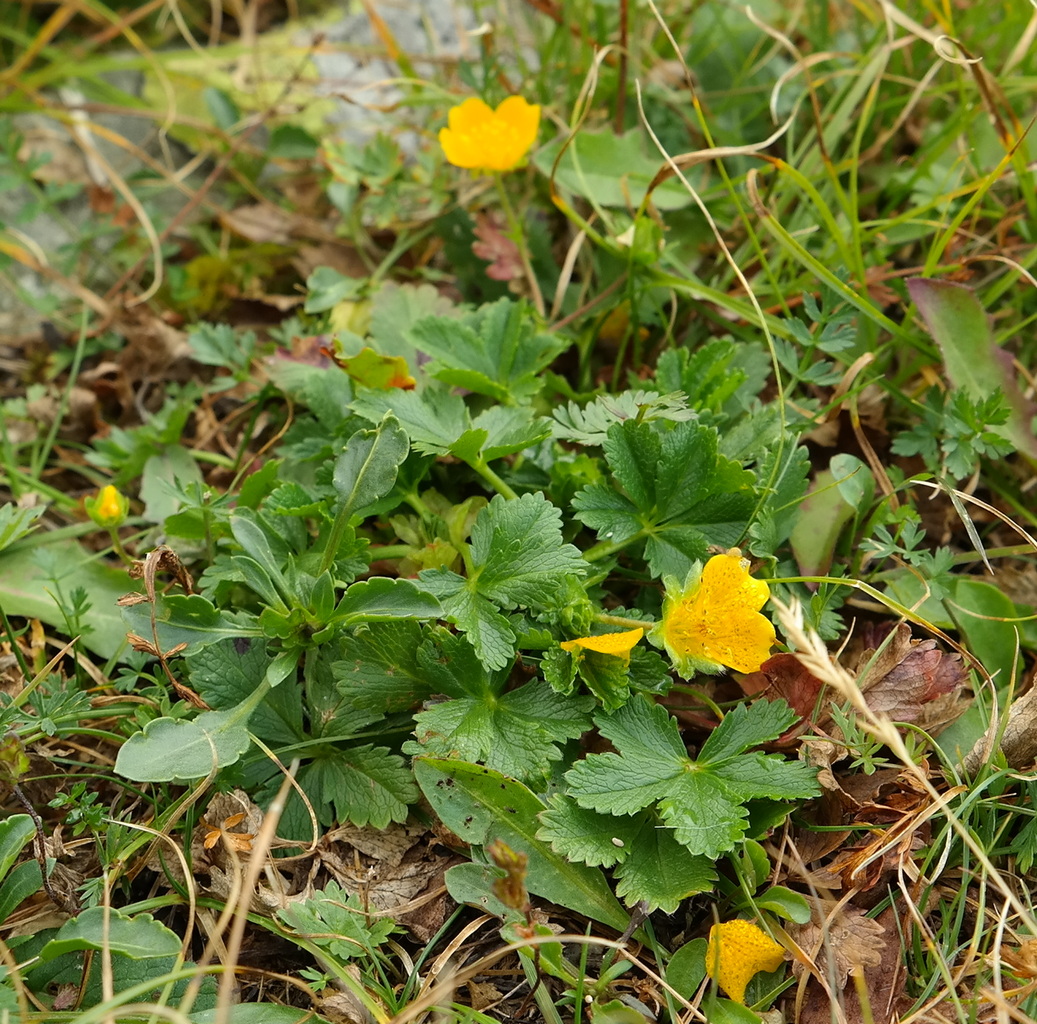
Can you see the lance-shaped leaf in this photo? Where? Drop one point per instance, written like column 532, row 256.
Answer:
column 480, row 805
column 367, row 469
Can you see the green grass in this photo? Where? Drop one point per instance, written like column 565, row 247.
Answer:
column 784, row 267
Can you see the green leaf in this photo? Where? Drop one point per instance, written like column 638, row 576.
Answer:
column 367, row 469
column 660, row 871
column 781, row 476
column 168, row 750
column 139, row 937
column 364, row 785
column 517, row 559
column 433, row 419
column 479, row 805
column 24, row 881
column 820, row 520
column 473, row 884
column 438, row 423
column 509, row 431
column 338, row 922
column 326, row 287
column 590, row 425
column 705, row 375
column 610, row 170
column 227, row 672
column 782, row 902
column 163, row 478
column 253, row 1013
column 687, row 968
column 703, row 800
column 678, row 491
column 495, row 350
column 380, row 673
column 189, row 619
column 15, row 833
column 517, row 733
column 16, row 522
column 380, row 598
column 26, row 590
column 396, row 308
column 975, row 363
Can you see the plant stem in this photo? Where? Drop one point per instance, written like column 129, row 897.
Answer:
column 482, row 468
column 518, row 236
column 117, row 545
column 609, row 547
column 389, row 551
column 621, row 620
column 338, row 529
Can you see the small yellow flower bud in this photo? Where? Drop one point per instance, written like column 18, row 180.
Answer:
column 108, row 508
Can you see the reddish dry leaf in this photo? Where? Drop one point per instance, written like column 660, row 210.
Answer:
column 907, row 679
column 502, row 254
column 905, row 675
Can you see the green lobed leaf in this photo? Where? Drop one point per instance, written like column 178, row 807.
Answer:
column 678, row 491
column 225, row 673
column 495, row 350
column 433, row 419
column 590, row 424
column 380, row 673
column 517, row 559
column 363, row 785
column 702, row 800
column 337, row 921
column 517, row 733
column 479, row 805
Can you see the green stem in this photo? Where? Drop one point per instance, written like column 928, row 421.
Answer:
column 73, row 375
column 620, row 620
column 518, row 236
column 117, row 545
column 482, row 468
column 609, row 547
column 338, row 530
column 378, row 554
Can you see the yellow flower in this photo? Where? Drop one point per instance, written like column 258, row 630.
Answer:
column 108, row 508
column 490, row 140
column 714, row 620
column 736, row 951
column 619, row 644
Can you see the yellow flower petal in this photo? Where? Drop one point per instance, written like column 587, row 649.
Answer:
column 482, row 139
column 736, row 951
column 606, row 643
column 715, row 621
